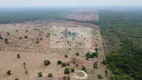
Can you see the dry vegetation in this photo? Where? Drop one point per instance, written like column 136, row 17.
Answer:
column 25, row 46
column 83, row 15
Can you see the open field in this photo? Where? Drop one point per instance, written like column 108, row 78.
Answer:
column 82, row 15
column 49, row 40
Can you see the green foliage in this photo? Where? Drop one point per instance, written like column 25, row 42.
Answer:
column 6, row 40
column 25, row 36
column 83, row 68
column 1, row 37
column 96, row 49
column 59, row 62
column 66, row 71
column 127, row 60
column 91, row 55
column 46, row 62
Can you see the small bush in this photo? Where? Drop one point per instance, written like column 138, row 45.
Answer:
column 37, row 42
column 50, row 75
column 100, row 76
column 72, row 70
column 1, row 37
column 6, row 40
column 96, row 49
column 77, row 54
column 40, row 74
column 16, row 78
column 63, row 64
column 59, row 62
column 66, row 71
column 66, row 56
column 8, row 33
column 25, row 36
column 46, row 62
column 20, row 38
column 83, row 68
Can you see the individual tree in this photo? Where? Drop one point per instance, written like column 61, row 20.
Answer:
column 72, row 70
column 1, row 37
column 16, row 30
column 59, row 62
column 20, row 38
column 50, row 75
column 77, row 54
column 100, row 76
column 106, row 72
column 37, row 41
column 26, row 30
column 95, row 65
column 6, row 40
column 96, row 49
column 63, row 64
column 40, row 74
column 83, row 68
column 46, row 62
column 26, row 72
column 66, row 71
column 8, row 33
column 8, row 72
column 25, row 36
column 66, row 56
column 18, row 56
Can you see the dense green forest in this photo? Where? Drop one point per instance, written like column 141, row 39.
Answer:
column 118, row 25
column 23, row 15
column 122, row 32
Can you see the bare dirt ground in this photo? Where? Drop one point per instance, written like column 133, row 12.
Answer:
column 48, row 34
column 83, row 15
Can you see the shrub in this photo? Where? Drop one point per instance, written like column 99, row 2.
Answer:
column 100, row 76
column 20, row 38
column 50, row 75
column 66, row 56
column 95, row 65
column 77, row 54
column 25, row 36
column 1, row 37
column 16, row 30
column 46, row 62
column 96, row 49
column 6, row 40
column 83, row 68
column 72, row 70
column 26, row 30
column 16, row 78
column 66, row 71
column 59, row 62
column 63, row 64
column 8, row 72
column 95, row 54
column 37, row 42
column 8, row 33
column 40, row 74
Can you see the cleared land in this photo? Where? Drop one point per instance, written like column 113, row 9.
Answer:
column 83, row 15
column 36, row 41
